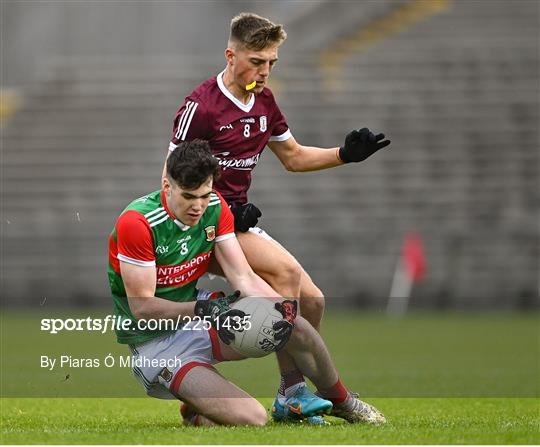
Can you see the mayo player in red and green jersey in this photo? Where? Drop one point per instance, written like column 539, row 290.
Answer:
column 160, row 245
column 148, row 234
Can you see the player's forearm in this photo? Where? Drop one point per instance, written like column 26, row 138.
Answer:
column 251, row 284
column 309, row 158
column 158, row 308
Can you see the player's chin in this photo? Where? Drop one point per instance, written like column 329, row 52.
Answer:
column 192, row 219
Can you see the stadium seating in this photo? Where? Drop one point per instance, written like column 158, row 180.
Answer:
column 457, row 93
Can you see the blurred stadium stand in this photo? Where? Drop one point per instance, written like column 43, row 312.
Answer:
column 455, row 88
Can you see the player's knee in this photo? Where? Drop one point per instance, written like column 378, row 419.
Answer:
column 254, row 415
column 310, row 289
column 301, row 333
column 311, row 306
column 319, row 304
column 290, row 274
column 259, row 417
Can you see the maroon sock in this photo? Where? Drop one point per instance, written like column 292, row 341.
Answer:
column 336, row 393
column 289, row 379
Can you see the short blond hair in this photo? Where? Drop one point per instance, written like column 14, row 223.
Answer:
column 255, row 32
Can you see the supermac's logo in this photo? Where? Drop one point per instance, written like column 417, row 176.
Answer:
column 240, row 164
column 210, row 233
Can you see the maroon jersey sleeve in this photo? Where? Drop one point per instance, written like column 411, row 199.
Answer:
column 190, row 122
column 226, row 222
column 134, row 239
column 280, row 128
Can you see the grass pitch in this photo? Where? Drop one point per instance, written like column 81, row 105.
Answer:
column 148, row 421
column 438, row 378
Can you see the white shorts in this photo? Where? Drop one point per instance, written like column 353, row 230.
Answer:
column 260, row 232
column 180, row 351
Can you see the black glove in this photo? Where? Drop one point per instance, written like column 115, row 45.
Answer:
column 217, row 310
column 360, row 144
column 283, row 328
column 245, row 216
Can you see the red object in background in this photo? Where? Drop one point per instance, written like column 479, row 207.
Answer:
column 413, row 256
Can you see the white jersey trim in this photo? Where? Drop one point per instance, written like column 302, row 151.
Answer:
column 147, row 215
column 185, row 120
column 214, row 200
column 153, row 219
column 181, row 225
column 224, row 237
column 138, row 262
column 283, row 137
column 156, row 217
column 172, row 146
column 163, row 218
column 244, row 107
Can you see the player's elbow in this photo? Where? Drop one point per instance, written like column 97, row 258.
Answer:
column 289, row 166
column 293, row 160
column 139, row 314
column 292, row 164
column 141, row 308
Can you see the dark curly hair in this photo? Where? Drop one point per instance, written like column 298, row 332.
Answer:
column 191, row 163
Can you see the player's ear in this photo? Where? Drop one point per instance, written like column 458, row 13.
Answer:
column 165, row 185
column 229, row 55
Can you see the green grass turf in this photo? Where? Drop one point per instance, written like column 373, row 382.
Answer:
column 422, row 355
column 149, row 421
column 439, row 378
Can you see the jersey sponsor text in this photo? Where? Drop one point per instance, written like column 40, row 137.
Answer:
column 241, row 164
column 178, row 275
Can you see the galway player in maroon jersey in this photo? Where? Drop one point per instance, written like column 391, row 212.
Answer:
column 238, row 115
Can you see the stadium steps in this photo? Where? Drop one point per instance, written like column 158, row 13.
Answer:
column 460, row 103
column 456, row 97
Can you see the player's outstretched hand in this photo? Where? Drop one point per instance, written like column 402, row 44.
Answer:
column 283, row 328
column 360, row 144
column 217, row 309
column 245, row 216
